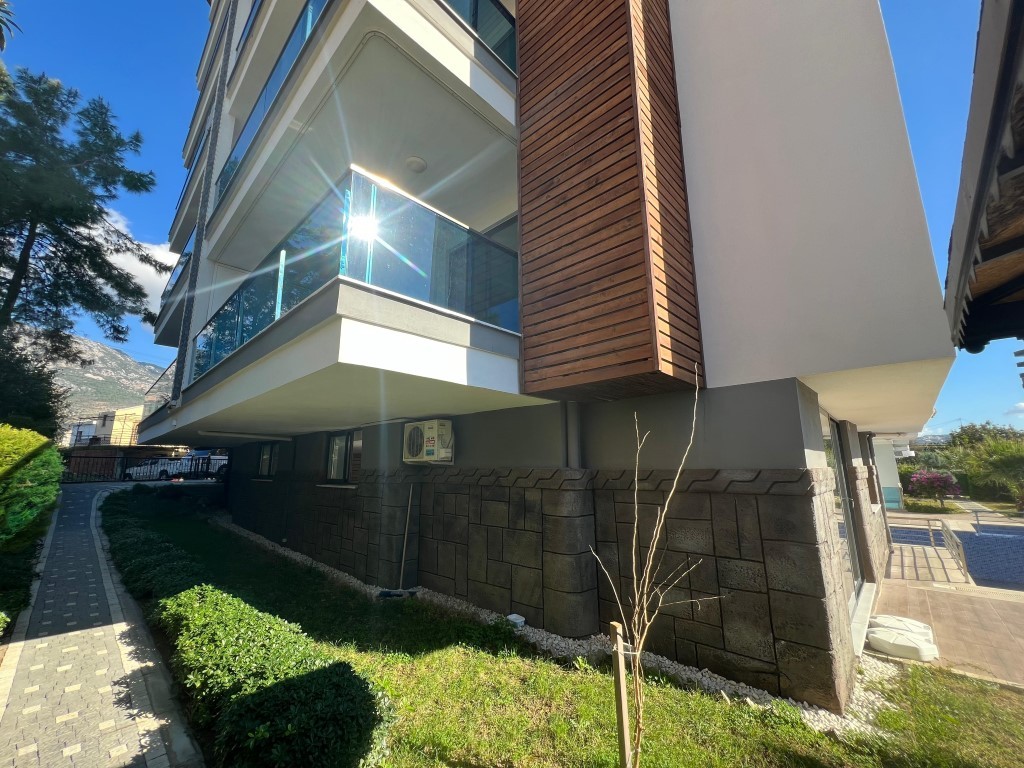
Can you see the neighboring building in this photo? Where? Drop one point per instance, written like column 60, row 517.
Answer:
column 119, row 427
column 985, row 279
column 404, row 210
column 78, row 433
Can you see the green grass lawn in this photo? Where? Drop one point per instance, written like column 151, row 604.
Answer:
column 930, row 506
column 470, row 695
column 1006, row 507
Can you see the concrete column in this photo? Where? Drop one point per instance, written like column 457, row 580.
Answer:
column 870, row 528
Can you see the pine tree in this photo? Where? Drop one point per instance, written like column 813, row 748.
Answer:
column 62, row 164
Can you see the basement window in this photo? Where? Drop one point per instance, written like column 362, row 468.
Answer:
column 268, row 460
column 344, row 457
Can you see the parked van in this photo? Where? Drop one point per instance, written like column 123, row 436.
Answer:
column 152, row 469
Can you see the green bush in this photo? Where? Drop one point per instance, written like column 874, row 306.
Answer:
column 17, row 569
column 906, row 470
column 170, row 492
column 30, row 472
column 327, row 717
column 224, row 647
column 150, row 565
column 258, row 682
column 272, row 698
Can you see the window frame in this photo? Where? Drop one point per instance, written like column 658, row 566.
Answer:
column 272, row 460
column 352, row 438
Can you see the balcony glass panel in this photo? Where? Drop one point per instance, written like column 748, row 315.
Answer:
column 258, row 305
column 493, row 23
column 369, row 232
column 313, row 252
column 253, row 13
column 159, row 394
column 192, row 168
column 310, row 15
column 179, row 267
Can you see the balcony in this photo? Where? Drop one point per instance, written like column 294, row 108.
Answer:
column 493, row 24
column 304, row 26
column 197, row 159
column 159, row 394
column 168, row 323
column 488, row 23
column 369, row 232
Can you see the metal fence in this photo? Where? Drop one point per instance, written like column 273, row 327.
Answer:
column 955, row 546
column 105, row 469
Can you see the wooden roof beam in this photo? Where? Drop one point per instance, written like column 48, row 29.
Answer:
column 1013, row 245
column 994, row 321
column 1004, row 291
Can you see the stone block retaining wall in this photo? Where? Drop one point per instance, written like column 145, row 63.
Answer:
column 872, row 538
column 763, row 602
column 513, row 541
column 763, row 545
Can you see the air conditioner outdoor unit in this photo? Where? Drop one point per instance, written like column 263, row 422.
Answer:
column 428, row 442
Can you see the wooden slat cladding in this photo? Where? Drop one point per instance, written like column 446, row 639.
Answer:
column 609, row 302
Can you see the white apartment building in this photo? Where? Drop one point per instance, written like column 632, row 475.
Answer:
column 531, row 221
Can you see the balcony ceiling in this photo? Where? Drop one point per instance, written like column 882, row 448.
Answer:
column 348, row 356
column 379, row 100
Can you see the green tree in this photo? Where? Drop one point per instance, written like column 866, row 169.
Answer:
column 7, row 24
column 29, row 394
column 970, row 435
column 62, row 164
column 1000, row 462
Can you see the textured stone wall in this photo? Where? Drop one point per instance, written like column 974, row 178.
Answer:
column 762, row 546
column 513, row 541
column 872, row 536
column 358, row 529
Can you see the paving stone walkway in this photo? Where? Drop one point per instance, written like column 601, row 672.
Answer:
column 81, row 683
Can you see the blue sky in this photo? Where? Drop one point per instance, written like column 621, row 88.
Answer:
column 142, row 57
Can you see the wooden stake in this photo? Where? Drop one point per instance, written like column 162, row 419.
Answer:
column 621, row 705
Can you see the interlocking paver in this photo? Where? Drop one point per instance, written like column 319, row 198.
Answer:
column 73, row 684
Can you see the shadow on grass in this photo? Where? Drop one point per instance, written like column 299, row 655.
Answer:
column 327, row 717
column 877, row 752
column 327, row 611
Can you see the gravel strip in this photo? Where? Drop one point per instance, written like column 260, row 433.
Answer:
column 860, row 712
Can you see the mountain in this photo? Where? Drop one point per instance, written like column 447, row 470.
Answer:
column 113, row 380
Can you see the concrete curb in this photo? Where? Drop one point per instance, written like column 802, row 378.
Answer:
column 162, row 730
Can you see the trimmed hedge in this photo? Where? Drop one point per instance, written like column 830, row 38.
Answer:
column 271, row 696
column 265, row 689
column 30, row 472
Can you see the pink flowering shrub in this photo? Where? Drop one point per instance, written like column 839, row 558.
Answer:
column 933, row 484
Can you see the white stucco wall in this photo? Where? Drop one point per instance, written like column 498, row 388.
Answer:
column 885, row 460
column 811, row 249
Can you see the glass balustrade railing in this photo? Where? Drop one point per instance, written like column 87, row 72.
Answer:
column 493, row 23
column 159, row 394
column 367, row 231
column 179, row 267
column 304, row 26
column 196, row 160
column 247, row 27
